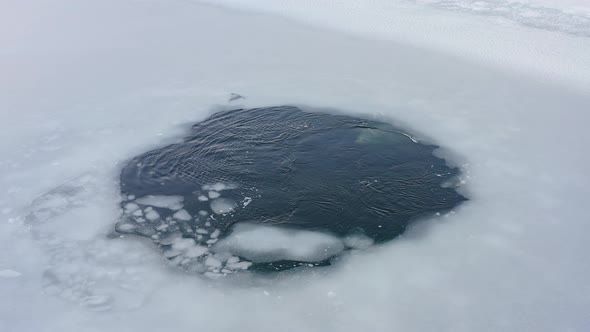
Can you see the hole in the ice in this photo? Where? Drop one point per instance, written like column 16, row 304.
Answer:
column 269, row 189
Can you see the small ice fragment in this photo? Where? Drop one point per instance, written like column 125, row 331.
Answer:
column 263, row 243
column 213, row 262
column 152, row 215
column 203, row 213
column 246, row 201
column 138, row 213
column 161, row 201
column 126, row 227
column 239, row 265
column 170, row 239
column 211, row 241
column 202, row 231
column 182, row 215
column 203, row 198
column 8, row 273
column 208, row 224
column 233, row 259
column 215, row 234
column 131, row 197
column 358, row 241
column 213, row 194
column 131, row 207
column 218, row 187
column 222, row 205
column 196, row 251
column 162, row 227
column 183, row 244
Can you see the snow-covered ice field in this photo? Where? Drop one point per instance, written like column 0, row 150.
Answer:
column 505, row 85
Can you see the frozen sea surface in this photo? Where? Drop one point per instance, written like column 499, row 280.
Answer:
column 85, row 85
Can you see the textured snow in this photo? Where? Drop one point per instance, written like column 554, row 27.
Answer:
column 261, row 244
column 85, row 85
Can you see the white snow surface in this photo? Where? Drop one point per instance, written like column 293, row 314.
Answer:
column 86, row 85
column 263, row 243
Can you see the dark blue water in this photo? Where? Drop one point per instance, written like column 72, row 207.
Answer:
column 332, row 173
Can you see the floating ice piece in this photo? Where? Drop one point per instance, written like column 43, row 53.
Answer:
column 238, row 265
column 358, row 241
column 183, row 244
column 125, row 227
column 220, row 186
column 131, row 207
column 170, row 238
column 196, row 251
column 202, row 231
column 203, row 213
column 213, row 194
column 203, row 198
column 222, row 205
column 213, row 262
column 233, row 259
column 263, row 244
column 246, row 201
column 215, row 234
column 166, row 202
column 152, row 215
column 182, row 215
column 138, row 213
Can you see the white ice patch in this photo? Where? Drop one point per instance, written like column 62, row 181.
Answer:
column 213, row 262
column 222, row 205
column 220, row 186
column 246, row 201
column 152, row 215
column 263, row 244
column 213, row 194
column 166, row 202
column 358, row 241
column 182, row 215
column 203, row 198
column 131, row 207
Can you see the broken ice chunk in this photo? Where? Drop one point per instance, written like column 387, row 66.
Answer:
column 213, row 262
column 182, row 215
column 166, row 202
column 222, row 205
column 213, row 194
column 152, row 215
